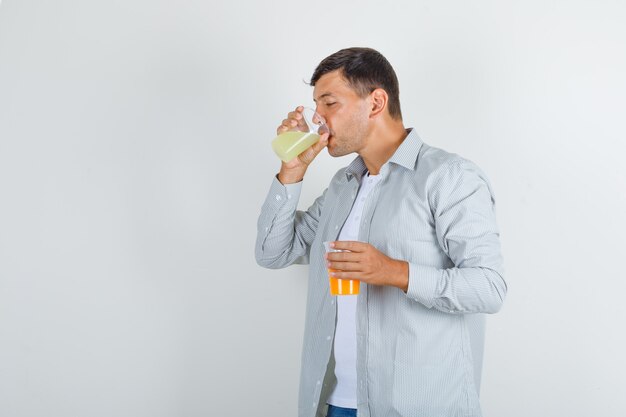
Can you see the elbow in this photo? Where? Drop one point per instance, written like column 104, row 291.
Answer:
column 265, row 260
column 494, row 307
column 262, row 262
column 498, row 293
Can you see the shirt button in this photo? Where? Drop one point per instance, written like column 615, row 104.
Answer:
column 267, row 228
column 328, row 338
column 289, row 197
column 278, row 198
column 319, row 382
column 336, row 227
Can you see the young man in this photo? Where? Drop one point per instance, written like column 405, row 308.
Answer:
column 418, row 231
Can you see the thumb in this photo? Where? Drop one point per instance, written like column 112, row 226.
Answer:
column 309, row 155
column 321, row 144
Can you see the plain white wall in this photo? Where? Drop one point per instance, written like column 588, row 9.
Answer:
column 134, row 157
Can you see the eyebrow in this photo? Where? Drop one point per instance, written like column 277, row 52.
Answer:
column 323, row 95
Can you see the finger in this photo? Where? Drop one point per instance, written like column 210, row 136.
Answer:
column 309, row 154
column 296, row 120
column 320, row 144
column 345, row 266
column 285, row 123
column 352, row 246
column 294, row 115
column 345, row 275
column 344, row 256
column 290, row 123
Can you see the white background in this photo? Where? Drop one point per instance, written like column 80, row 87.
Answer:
column 134, row 158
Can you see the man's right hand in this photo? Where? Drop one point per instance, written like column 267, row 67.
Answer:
column 294, row 170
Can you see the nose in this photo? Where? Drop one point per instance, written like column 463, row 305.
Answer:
column 319, row 119
column 320, row 114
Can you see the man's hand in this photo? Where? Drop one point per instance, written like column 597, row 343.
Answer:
column 294, row 170
column 366, row 263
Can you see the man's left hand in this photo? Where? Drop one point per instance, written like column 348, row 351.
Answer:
column 365, row 263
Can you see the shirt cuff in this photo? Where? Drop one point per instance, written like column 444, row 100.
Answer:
column 284, row 194
column 423, row 282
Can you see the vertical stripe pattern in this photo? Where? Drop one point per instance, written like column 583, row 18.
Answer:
column 419, row 354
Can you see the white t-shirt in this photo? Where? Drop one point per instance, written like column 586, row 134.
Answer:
column 344, row 394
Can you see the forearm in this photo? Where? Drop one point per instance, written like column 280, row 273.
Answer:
column 457, row 290
column 290, row 176
column 399, row 275
column 283, row 233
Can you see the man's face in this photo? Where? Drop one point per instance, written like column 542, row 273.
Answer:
column 345, row 112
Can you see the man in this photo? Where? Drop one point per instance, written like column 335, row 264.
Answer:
column 421, row 239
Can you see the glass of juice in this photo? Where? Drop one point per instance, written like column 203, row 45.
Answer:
column 292, row 143
column 341, row 286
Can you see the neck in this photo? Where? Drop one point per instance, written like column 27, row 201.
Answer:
column 381, row 144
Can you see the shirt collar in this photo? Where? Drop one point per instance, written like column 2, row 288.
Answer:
column 405, row 156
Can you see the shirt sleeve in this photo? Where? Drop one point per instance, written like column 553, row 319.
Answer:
column 463, row 207
column 285, row 234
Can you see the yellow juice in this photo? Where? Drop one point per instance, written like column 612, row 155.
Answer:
column 288, row 145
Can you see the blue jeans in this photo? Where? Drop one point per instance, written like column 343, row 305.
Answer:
column 340, row 412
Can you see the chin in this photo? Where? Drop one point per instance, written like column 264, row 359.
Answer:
column 337, row 153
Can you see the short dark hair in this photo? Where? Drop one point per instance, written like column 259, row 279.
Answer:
column 365, row 70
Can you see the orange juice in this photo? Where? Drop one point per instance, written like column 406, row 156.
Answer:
column 343, row 286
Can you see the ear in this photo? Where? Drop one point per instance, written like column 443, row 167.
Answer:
column 378, row 100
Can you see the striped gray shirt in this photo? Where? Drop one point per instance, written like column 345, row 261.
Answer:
column 419, row 354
